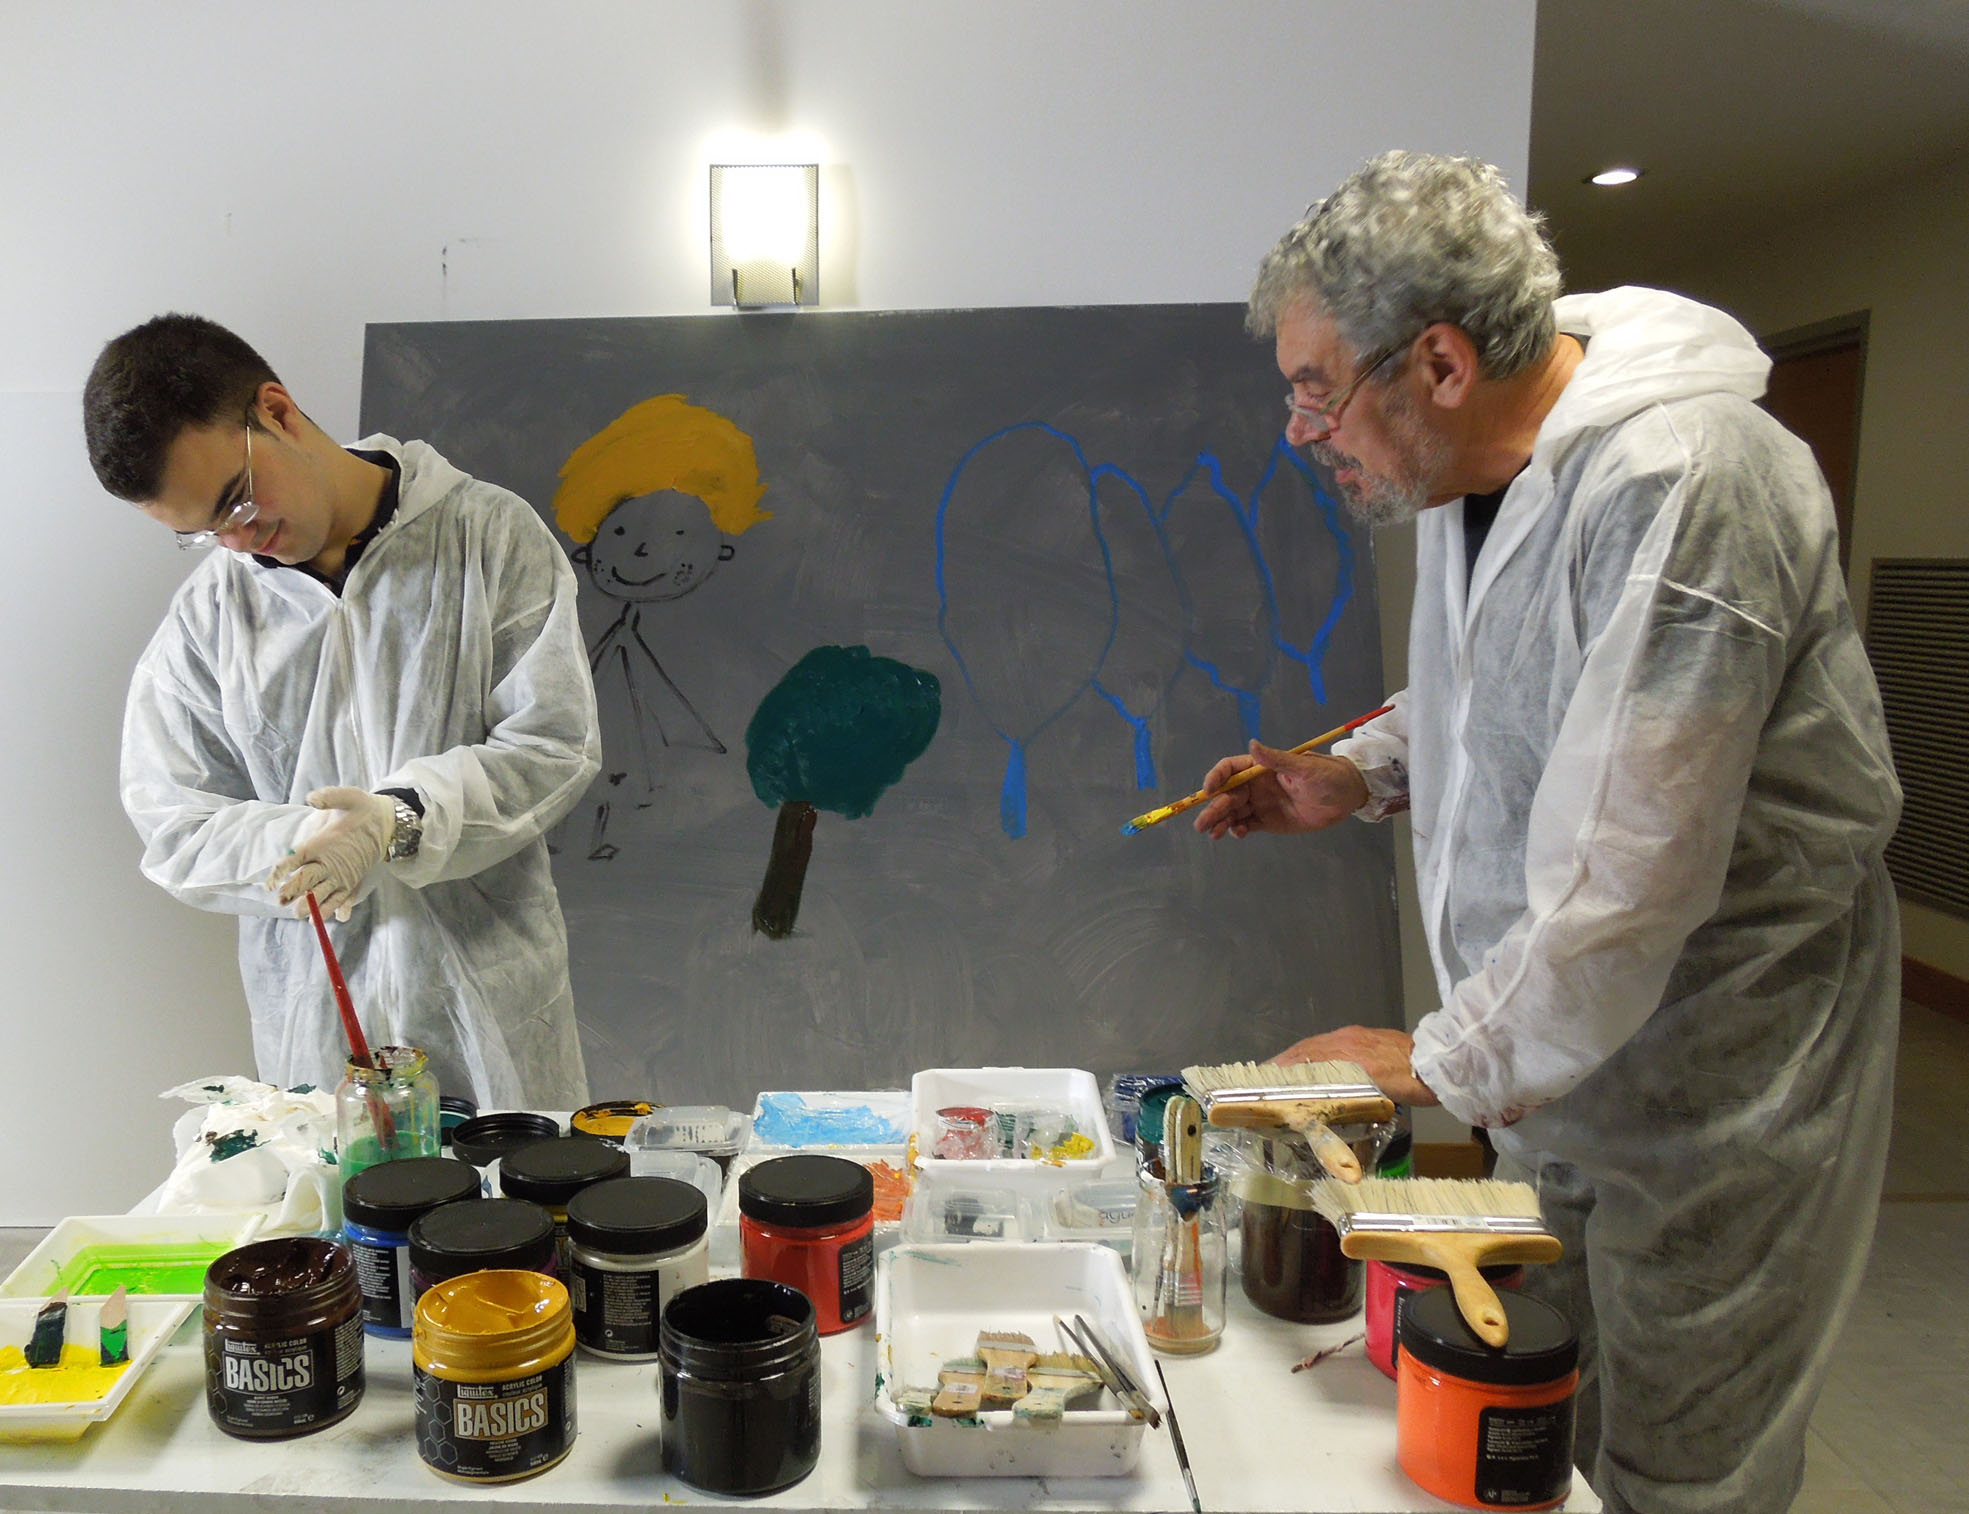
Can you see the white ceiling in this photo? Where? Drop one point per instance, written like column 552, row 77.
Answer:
column 1746, row 114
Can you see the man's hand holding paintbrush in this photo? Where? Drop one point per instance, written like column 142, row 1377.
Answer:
column 1382, row 1054
column 1294, row 793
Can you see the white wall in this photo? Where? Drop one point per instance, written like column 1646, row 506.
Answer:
column 1898, row 253
column 296, row 172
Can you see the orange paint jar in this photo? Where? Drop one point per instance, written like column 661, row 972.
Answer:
column 809, row 1222
column 1482, row 1426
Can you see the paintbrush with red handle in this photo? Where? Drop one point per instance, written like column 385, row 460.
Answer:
column 379, row 1113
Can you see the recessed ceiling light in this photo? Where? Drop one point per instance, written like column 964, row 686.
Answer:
column 1606, row 178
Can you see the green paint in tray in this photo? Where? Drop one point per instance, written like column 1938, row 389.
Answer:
column 147, row 1267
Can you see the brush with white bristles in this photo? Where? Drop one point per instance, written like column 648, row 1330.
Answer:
column 1303, row 1097
column 1455, row 1225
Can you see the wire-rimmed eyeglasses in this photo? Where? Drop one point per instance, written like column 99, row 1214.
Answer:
column 1326, row 414
column 242, row 511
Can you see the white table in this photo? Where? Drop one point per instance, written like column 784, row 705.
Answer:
column 1260, row 1438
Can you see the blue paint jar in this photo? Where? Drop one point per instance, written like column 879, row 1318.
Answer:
column 379, row 1205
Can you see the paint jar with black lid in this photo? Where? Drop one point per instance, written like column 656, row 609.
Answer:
column 633, row 1245
column 552, row 1172
column 809, row 1222
column 1488, row 1427
column 480, row 1235
column 486, row 1138
column 379, row 1205
column 740, row 1379
column 283, row 1338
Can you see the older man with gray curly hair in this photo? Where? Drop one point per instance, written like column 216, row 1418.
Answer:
column 1651, row 792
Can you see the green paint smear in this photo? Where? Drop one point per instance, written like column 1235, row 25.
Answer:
column 366, row 1151
column 839, row 729
column 141, row 1268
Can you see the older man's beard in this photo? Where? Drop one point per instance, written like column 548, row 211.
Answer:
column 1397, row 497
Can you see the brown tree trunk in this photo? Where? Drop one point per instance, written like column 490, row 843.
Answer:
column 778, row 904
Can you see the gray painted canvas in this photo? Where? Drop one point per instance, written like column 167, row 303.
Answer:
column 1083, row 523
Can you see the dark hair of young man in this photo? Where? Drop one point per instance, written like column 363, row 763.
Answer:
column 152, row 382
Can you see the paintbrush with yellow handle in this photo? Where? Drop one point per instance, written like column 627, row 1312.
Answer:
column 1458, row 1226
column 1239, row 779
column 1305, row 1098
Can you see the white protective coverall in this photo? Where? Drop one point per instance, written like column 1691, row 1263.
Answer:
column 1651, row 788
column 453, row 664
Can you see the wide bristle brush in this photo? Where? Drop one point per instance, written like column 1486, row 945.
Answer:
column 1306, row 1098
column 1458, row 1226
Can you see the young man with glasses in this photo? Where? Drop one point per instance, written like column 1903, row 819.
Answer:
column 1651, row 793
column 377, row 694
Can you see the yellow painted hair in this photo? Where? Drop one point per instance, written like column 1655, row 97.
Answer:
column 663, row 443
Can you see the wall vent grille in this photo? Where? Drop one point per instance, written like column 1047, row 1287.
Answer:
column 1917, row 633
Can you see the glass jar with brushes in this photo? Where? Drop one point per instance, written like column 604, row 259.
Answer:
column 1181, row 1249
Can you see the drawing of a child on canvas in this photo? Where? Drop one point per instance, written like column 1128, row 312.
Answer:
column 654, row 499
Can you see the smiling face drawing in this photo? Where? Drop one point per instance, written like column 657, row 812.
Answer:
column 655, row 547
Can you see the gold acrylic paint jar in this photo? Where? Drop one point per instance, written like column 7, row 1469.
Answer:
column 492, row 1356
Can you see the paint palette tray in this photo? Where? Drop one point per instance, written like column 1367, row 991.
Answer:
column 152, row 1322
column 930, row 1304
column 828, row 1121
column 156, row 1256
column 1065, row 1089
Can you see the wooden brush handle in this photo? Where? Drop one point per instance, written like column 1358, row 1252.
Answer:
column 1332, row 1153
column 1476, row 1300
column 1460, row 1254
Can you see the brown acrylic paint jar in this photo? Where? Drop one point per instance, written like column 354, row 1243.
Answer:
column 1291, row 1265
column 283, row 1338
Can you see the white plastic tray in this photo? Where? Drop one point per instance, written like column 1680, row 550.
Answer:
column 1065, row 1088
column 930, row 1304
column 152, row 1323
column 39, row 1273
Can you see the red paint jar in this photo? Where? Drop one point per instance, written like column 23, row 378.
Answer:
column 1483, row 1426
column 1391, row 1286
column 809, row 1222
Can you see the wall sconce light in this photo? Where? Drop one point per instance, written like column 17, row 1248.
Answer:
column 765, row 234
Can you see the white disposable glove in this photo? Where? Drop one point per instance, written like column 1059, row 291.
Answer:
column 334, row 856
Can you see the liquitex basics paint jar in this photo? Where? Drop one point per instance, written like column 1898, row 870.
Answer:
column 1483, row 1426
column 492, row 1359
column 741, row 1386
column 809, row 1222
column 479, row 1235
column 283, row 1338
column 633, row 1244
column 379, row 1205
column 552, row 1172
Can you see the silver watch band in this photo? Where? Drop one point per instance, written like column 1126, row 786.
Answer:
column 409, row 833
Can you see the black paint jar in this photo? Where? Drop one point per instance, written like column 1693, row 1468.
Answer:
column 486, row 1138
column 552, row 1172
column 480, row 1235
column 283, row 1338
column 741, row 1386
column 1292, row 1266
column 379, row 1205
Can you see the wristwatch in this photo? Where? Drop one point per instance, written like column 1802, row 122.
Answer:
column 409, row 833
